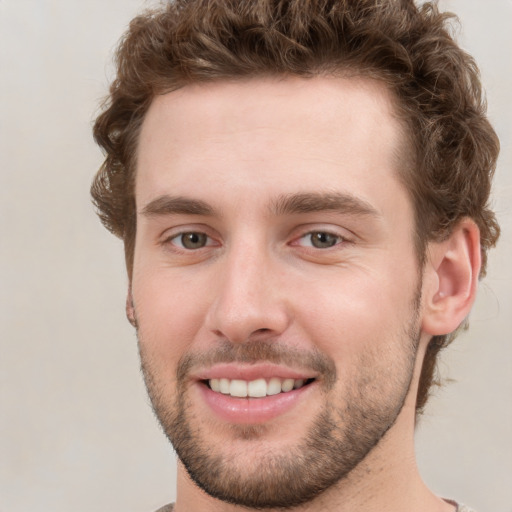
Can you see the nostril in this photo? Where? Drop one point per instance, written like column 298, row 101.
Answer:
column 262, row 331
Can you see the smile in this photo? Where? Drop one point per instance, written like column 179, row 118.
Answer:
column 250, row 394
column 258, row 388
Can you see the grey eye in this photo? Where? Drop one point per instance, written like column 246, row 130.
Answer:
column 322, row 240
column 192, row 240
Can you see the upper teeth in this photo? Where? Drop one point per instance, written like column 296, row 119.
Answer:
column 255, row 388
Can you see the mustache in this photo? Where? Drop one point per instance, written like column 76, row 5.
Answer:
column 259, row 351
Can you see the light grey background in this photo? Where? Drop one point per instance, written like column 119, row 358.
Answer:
column 76, row 432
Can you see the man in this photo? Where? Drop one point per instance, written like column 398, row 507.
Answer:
column 302, row 188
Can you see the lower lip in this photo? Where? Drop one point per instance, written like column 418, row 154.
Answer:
column 253, row 411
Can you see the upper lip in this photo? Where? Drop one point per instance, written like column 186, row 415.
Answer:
column 250, row 372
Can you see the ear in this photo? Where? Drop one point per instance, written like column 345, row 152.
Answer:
column 451, row 279
column 130, row 308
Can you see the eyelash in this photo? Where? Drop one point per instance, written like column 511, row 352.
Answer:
column 170, row 239
column 323, row 236
column 336, row 238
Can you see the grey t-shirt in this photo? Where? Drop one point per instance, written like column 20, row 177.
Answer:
column 166, row 508
column 460, row 508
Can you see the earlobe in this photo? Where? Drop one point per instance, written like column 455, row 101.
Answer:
column 130, row 308
column 451, row 279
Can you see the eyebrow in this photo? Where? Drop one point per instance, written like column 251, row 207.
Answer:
column 177, row 205
column 321, row 202
column 290, row 204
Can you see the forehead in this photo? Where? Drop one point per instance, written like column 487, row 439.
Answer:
column 292, row 134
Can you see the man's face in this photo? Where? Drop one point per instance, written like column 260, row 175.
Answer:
column 274, row 256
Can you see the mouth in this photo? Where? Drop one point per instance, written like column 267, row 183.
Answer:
column 239, row 393
column 255, row 398
column 257, row 388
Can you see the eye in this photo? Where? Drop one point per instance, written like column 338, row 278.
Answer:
column 320, row 239
column 191, row 240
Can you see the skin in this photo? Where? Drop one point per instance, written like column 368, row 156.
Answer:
column 233, row 151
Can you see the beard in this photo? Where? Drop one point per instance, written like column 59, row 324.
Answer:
column 341, row 436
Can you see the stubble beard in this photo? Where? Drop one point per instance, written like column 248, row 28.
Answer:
column 336, row 443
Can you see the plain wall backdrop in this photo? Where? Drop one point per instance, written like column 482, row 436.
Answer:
column 76, row 431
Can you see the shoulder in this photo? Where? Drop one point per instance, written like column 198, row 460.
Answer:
column 463, row 508
column 458, row 506
column 166, row 508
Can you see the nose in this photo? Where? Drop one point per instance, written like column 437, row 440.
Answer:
column 249, row 301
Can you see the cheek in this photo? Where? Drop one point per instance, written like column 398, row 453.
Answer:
column 358, row 309
column 170, row 311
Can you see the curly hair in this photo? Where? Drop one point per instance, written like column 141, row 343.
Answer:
column 452, row 146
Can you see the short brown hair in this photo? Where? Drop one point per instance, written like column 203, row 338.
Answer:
column 436, row 85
